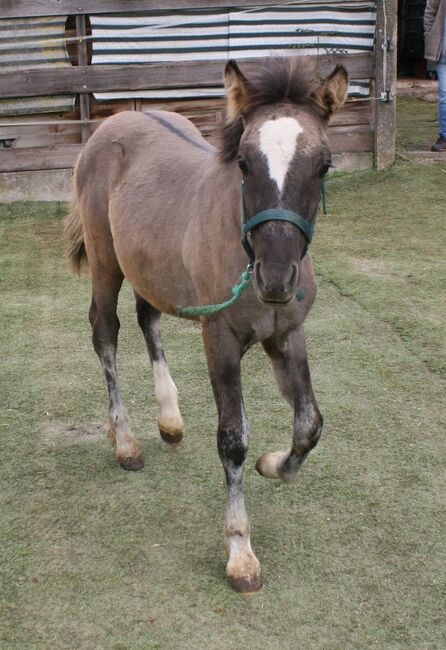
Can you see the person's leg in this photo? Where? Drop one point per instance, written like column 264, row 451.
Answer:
column 441, row 73
column 440, row 145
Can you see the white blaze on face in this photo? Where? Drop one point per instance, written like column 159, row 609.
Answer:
column 278, row 143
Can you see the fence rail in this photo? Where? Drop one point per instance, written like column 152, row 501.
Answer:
column 30, row 8
column 107, row 78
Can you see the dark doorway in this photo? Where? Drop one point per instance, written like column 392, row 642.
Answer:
column 411, row 61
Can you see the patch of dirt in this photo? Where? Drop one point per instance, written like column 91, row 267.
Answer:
column 371, row 267
column 90, row 431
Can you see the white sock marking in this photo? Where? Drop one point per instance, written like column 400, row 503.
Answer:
column 166, row 395
column 278, row 144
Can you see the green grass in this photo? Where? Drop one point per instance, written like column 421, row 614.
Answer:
column 353, row 553
column 417, row 122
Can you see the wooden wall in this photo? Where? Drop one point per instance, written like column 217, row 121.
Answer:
column 53, row 141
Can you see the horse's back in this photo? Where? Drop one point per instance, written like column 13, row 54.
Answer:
column 135, row 164
column 134, row 142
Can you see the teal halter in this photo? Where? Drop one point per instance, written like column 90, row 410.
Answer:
column 273, row 214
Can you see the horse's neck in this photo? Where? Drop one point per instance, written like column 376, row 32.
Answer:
column 222, row 186
column 217, row 214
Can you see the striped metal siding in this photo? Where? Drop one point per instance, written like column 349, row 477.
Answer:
column 33, row 43
column 337, row 27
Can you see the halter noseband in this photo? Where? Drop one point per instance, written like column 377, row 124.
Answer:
column 273, row 214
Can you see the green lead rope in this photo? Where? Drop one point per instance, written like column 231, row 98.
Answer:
column 209, row 310
column 237, row 291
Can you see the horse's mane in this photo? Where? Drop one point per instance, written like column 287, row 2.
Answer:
column 277, row 80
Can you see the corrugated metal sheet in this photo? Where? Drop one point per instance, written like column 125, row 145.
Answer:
column 335, row 27
column 33, row 43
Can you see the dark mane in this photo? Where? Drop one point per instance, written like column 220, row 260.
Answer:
column 270, row 82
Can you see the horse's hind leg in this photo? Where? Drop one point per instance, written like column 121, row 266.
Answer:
column 105, row 325
column 290, row 363
column 170, row 421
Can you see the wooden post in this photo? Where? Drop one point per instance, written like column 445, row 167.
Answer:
column 385, row 83
column 82, row 60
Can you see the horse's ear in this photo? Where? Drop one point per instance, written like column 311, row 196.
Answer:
column 332, row 92
column 237, row 91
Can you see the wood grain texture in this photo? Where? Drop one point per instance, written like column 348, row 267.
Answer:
column 109, row 78
column 385, row 81
column 82, row 58
column 24, row 8
column 61, row 156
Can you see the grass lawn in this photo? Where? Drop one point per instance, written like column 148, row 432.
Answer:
column 353, row 553
column 417, row 124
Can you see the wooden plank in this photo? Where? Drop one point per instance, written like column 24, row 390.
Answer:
column 424, row 156
column 342, row 139
column 101, row 110
column 39, row 130
column 359, row 66
column 207, row 115
column 352, row 113
column 108, row 78
column 38, row 139
column 39, row 135
column 82, row 58
column 385, row 83
column 346, row 139
column 350, row 162
column 25, row 8
column 55, row 157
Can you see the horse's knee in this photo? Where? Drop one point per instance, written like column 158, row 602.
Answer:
column 232, row 445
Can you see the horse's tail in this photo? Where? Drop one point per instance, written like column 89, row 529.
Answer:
column 74, row 236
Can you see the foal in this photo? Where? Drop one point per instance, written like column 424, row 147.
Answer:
column 157, row 204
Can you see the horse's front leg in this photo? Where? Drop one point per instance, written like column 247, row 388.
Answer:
column 290, row 363
column 223, row 357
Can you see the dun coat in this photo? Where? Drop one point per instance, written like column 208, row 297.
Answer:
column 157, row 204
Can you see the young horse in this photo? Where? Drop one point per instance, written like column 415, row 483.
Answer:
column 156, row 204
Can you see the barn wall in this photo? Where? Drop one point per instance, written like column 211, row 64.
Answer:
column 52, row 140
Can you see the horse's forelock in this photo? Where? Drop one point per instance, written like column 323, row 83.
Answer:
column 291, row 79
column 280, row 79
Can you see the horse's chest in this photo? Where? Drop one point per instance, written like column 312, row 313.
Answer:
column 267, row 322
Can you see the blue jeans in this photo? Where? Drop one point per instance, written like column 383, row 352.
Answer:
column 441, row 74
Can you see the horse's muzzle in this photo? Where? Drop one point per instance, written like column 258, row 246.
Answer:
column 276, row 284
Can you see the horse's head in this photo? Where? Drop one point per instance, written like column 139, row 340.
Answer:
column 276, row 130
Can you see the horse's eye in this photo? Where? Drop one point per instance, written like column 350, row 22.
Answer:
column 243, row 165
column 324, row 169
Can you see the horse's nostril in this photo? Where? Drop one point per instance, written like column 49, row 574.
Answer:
column 293, row 275
column 258, row 274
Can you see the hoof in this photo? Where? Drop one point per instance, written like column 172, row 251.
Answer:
column 246, row 586
column 171, row 438
column 243, row 568
column 131, row 464
column 270, row 465
column 130, row 456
